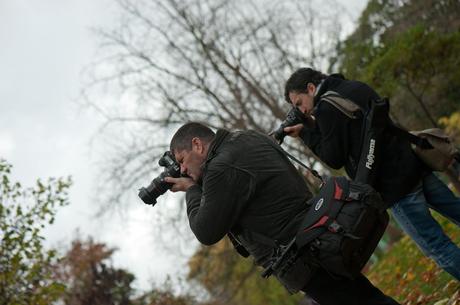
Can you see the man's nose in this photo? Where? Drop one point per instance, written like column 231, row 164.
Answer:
column 183, row 169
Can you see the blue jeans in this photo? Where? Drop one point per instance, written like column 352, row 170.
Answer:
column 413, row 215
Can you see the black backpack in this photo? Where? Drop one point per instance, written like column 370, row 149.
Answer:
column 343, row 226
column 339, row 233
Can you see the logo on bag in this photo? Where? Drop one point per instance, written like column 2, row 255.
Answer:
column 370, row 155
column 319, row 204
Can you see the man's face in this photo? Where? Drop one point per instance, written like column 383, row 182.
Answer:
column 303, row 100
column 191, row 161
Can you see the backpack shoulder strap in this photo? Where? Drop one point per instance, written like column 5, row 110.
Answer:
column 353, row 111
column 344, row 105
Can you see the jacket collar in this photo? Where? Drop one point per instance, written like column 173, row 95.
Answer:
column 221, row 134
column 324, row 86
column 320, row 89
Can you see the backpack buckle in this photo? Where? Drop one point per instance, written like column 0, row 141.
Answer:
column 335, row 227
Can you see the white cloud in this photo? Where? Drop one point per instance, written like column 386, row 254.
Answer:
column 7, row 145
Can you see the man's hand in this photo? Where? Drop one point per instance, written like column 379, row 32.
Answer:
column 293, row 131
column 180, row 184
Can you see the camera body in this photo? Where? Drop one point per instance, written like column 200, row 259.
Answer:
column 159, row 186
column 293, row 117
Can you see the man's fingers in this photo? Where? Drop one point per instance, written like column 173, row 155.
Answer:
column 179, row 184
column 171, row 179
column 293, row 131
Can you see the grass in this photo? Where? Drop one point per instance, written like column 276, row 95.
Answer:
column 411, row 278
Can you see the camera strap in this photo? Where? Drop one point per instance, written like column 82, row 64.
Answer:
column 237, row 245
column 289, row 156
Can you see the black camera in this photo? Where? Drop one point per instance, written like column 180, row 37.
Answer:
column 159, row 186
column 293, row 117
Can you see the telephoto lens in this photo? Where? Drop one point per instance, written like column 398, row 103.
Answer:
column 159, row 186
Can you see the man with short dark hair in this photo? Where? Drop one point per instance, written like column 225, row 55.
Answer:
column 405, row 183
column 239, row 184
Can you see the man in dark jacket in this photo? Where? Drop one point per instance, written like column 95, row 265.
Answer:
column 405, row 183
column 240, row 184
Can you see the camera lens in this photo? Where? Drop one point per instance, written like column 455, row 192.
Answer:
column 293, row 117
column 159, row 186
column 279, row 134
column 155, row 189
column 146, row 197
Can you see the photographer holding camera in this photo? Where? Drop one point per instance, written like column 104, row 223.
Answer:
column 238, row 184
column 406, row 184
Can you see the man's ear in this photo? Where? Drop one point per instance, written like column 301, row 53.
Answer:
column 311, row 88
column 197, row 144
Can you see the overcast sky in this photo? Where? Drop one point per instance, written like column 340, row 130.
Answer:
column 45, row 45
column 44, row 133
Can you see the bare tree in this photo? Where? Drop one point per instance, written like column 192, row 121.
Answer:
column 219, row 62
column 214, row 61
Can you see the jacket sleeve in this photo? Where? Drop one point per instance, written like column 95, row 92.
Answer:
column 215, row 208
column 330, row 137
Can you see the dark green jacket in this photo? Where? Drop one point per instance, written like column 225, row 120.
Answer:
column 247, row 186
